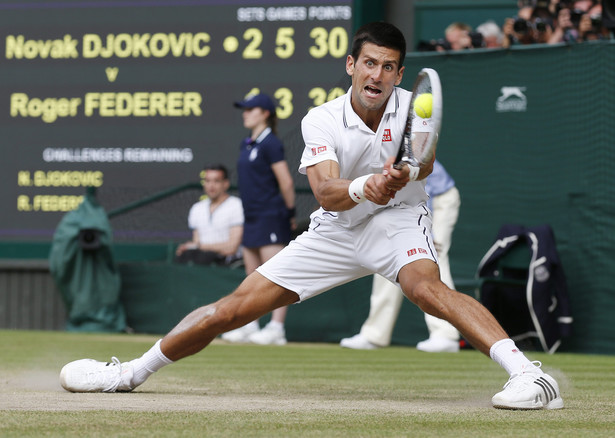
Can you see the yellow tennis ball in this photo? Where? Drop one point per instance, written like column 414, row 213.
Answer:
column 422, row 105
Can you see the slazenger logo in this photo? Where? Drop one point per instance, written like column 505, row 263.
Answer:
column 387, row 135
column 318, row 150
column 511, row 100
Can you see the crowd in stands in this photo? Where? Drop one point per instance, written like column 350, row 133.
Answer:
column 536, row 22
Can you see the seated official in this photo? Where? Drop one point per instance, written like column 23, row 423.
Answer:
column 216, row 223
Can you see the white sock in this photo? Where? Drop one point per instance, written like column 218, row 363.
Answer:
column 148, row 364
column 509, row 357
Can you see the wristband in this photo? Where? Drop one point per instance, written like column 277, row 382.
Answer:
column 356, row 189
column 292, row 211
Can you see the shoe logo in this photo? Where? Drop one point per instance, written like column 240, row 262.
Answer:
column 547, row 389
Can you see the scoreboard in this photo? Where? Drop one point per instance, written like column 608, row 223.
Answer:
column 136, row 96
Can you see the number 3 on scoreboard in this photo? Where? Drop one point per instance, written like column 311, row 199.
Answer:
column 285, row 102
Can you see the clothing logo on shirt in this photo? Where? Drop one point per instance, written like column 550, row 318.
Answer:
column 253, row 154
column 318, row 150
column 387, row 135
column 422, row 250
column 412, row 252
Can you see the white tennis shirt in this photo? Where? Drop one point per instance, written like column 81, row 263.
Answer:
column 215, row 227
column 333, row 131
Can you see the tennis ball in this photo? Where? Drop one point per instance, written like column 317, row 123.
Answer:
column 422, row 105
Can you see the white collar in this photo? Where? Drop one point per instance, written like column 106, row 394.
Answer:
column 262, row 135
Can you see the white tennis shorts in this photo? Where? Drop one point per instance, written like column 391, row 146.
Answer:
column 328, row 255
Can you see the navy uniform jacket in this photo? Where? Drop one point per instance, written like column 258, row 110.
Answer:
column 537, row 307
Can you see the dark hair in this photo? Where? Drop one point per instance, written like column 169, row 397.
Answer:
column 272, row 122
column 221, row 167
column 381, row 34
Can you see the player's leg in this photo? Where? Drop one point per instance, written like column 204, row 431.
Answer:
column 528, row 387
column 443, row 337
column 266, row 253
column 255, row 297
column 251, row 261
column 420, row 281
column 273, row 333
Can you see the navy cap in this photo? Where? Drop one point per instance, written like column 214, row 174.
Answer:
column 257, row 101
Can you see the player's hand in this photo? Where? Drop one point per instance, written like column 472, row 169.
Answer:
column 395, row 179
column 376, row 190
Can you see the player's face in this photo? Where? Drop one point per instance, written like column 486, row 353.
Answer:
column 374, row 75
column 214, row 183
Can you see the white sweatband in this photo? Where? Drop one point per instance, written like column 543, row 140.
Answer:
column 356, row 189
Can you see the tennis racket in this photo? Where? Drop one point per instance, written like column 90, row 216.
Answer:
column 418, row 144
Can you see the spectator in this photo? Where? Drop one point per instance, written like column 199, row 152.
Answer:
column 268, row 195
column 564, row 30
column 519, row 30
column 590, row 25
column 493, row 37
column 387, row 297
column 457, row 35
column 216, row 223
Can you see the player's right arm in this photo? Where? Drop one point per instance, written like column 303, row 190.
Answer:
column 331, row 191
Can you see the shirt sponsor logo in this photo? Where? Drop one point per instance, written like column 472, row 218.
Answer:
column 412, row 252
column 422, row 250
column 318, row 150
column 387, row 135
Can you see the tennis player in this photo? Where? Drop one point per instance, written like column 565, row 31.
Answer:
column 372, row 219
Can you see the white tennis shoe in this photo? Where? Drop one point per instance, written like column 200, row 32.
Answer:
column 269, row 335
column 358, row 342
column 436, row 344
column 89, row 375
column 241, row 335
column 529, row 390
